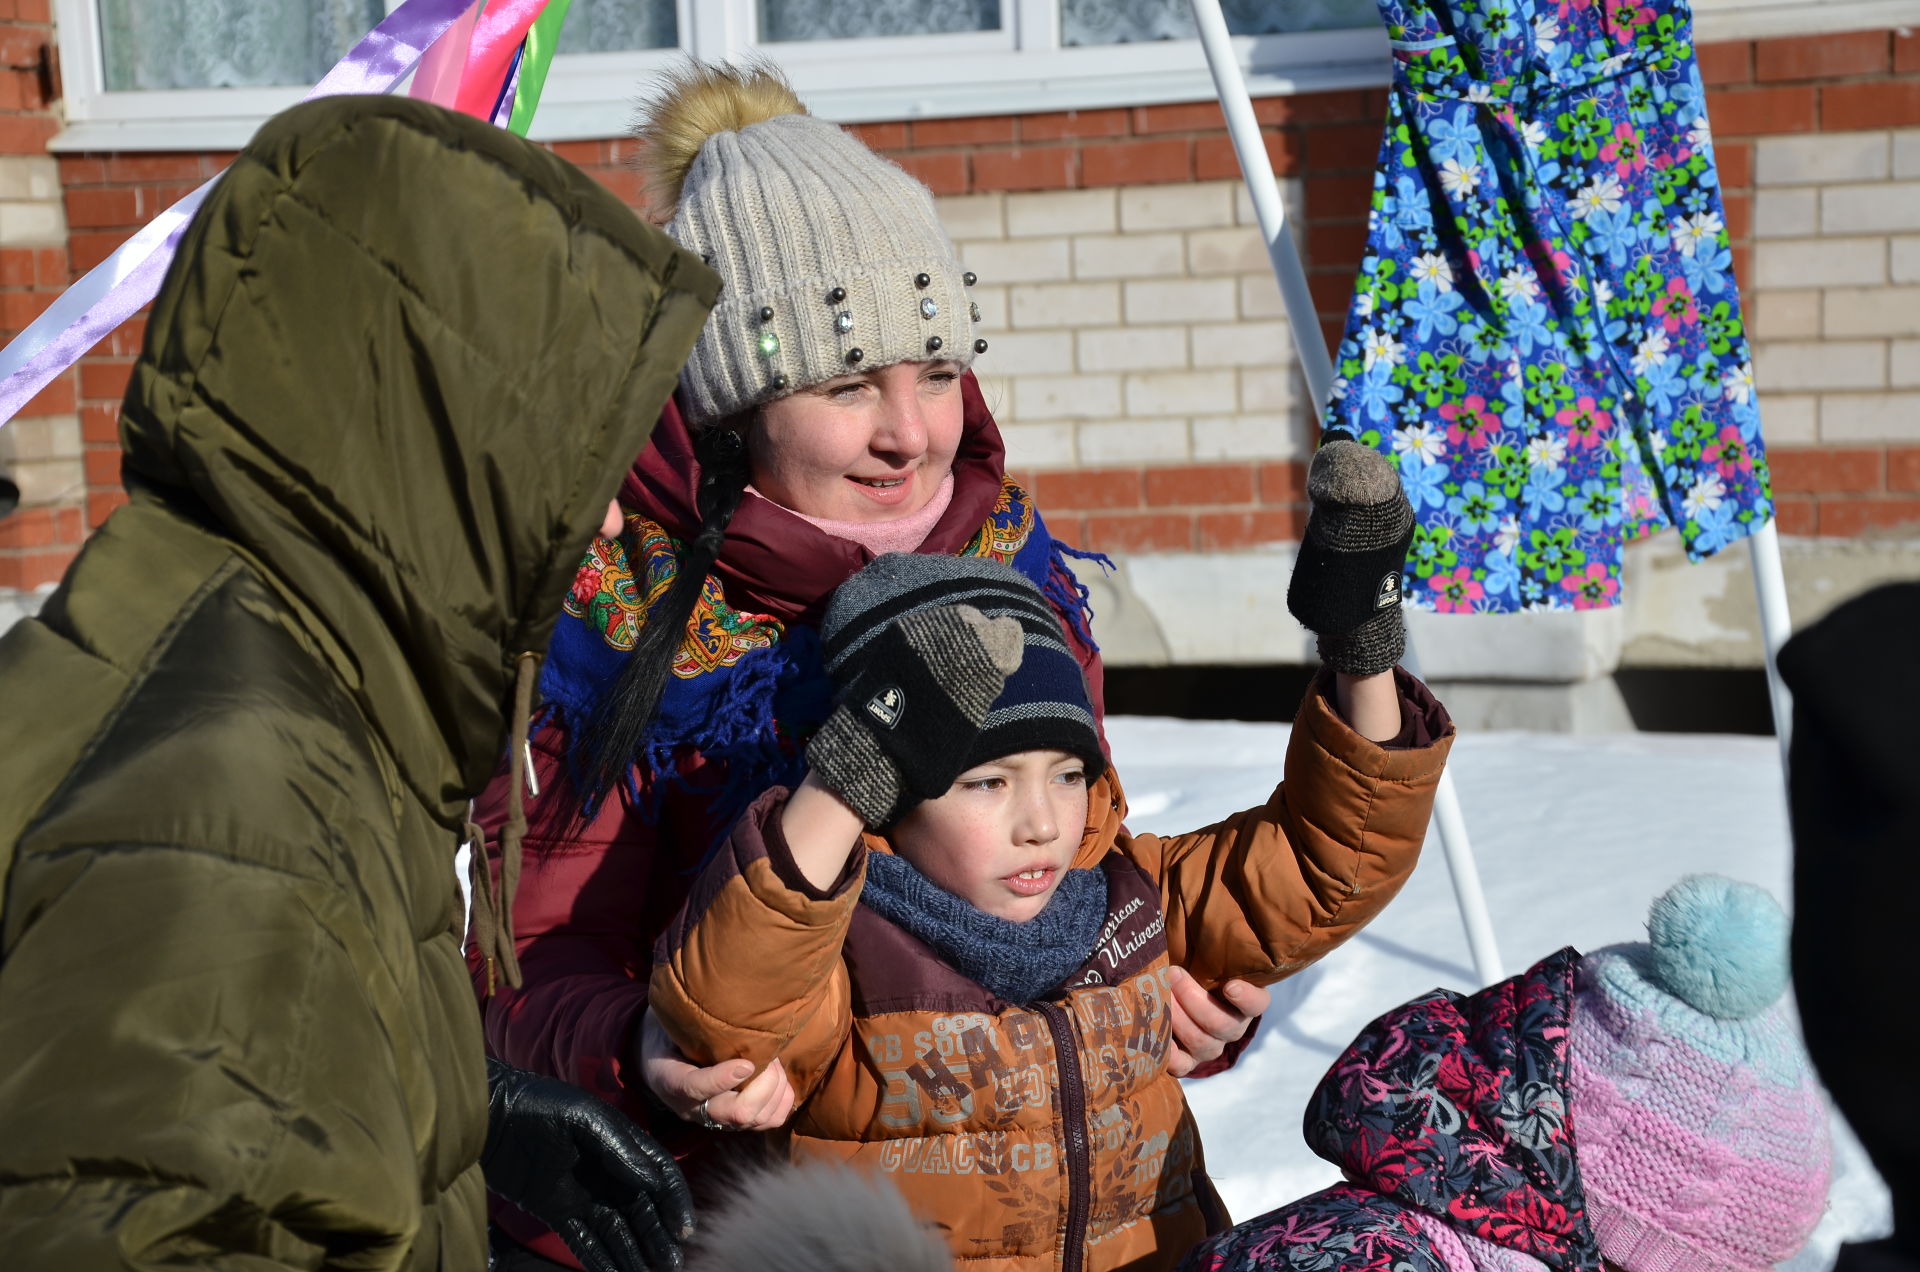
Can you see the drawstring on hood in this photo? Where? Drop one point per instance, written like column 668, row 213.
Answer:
column 493, row 911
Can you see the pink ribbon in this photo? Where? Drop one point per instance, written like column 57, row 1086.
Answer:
column 118, row 287
column 499, row 35
column 438, row 79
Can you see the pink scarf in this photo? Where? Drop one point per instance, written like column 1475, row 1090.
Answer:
column 902, row 534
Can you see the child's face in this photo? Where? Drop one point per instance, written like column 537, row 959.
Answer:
column 1004, row 834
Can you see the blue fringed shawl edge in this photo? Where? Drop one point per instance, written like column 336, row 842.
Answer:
column 753, row 716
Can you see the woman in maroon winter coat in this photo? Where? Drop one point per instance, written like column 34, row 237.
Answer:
column 827, row 416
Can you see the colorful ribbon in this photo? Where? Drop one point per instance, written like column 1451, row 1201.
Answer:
column 543, row 37
column 496, row 40
column 438, row 79
column 117, row 288
column 503, row 102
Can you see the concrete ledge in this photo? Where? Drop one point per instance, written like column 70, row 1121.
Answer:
column 1587, row 706
column 1679, row 614
column 1188, row 609
column 1175, row 609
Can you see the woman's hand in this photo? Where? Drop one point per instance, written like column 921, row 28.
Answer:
column 1203, row 1025
column 714, row 1094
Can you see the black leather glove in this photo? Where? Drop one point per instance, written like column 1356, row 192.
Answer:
column 580, row 1166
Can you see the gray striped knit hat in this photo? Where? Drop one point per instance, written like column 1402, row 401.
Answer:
column 834, row 259
column 1045, row 705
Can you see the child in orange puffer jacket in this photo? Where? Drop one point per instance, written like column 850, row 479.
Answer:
column 971, row 996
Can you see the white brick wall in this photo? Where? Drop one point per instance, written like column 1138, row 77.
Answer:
column 1134, row 326
column 1814, row 160
column 1835, row 305
column 41, row 454
column 1142, row 325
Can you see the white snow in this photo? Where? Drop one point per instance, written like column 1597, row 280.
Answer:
column 1574, row 836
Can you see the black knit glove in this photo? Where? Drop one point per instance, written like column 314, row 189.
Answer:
column 910, row 704
column 1346, row 582
column 578, row 1165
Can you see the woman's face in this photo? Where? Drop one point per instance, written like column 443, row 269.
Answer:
column 870, row 446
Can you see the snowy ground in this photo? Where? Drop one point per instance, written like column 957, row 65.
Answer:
column 1574, row 836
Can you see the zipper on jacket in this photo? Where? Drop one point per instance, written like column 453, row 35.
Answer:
column 1073, row 1121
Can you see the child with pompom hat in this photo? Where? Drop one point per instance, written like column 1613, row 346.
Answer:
column 1644, row 1108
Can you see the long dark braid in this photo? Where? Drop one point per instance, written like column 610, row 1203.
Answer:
column 619, row 724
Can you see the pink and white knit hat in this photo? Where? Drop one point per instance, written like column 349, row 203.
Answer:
column 1702, row 1131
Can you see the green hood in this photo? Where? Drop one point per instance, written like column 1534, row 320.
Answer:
column 403, row 363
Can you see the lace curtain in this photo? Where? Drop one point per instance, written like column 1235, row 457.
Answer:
column 161, row 44
column 612, row 26
column 834, row 20
column 168, row 44
column 1127, row 21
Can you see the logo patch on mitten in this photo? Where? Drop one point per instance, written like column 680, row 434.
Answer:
column 887, row 706
column 1388, row 593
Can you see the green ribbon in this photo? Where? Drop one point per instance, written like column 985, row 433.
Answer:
column 542, row 37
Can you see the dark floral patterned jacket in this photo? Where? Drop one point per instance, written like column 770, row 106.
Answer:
column 1448, row 1116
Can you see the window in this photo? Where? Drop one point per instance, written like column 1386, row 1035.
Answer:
column 785, row 21
column 203, row 74
column 1085, row 22
column 618, row 26
column 170, row 44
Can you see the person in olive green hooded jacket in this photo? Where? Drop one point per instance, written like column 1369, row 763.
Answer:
column 388, row 389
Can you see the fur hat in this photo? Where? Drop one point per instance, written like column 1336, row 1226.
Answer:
column 833, row 258
column 1702, row 1132
column 816, row 1218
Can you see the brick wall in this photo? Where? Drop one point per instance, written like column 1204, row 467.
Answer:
column 1835, row 280
column 107, row 198
column 40, row 450
column 1140, row 360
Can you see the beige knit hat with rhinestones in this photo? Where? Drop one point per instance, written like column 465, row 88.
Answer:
column 834, row 259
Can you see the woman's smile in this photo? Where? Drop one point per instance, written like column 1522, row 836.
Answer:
column 869, row 447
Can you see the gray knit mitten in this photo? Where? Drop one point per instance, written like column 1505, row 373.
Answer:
column 1346, row 582
column 909, row 704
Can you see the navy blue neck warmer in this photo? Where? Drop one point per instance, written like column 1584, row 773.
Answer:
column 1019, row 962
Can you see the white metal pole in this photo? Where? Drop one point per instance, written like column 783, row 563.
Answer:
column 1317, row 365
column 1462, row 868
column 1776, row 624
column 1315, row 362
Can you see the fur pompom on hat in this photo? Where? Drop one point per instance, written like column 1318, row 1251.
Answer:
column 834, row 259
column 1702, row 1132
column 816, row 1218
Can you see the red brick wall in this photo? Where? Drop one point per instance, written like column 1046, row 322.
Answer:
column 36, row 542
column 108, row 197
column 1823, row 84
column 1326, row 140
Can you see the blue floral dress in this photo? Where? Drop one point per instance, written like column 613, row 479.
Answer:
column 1545, row 333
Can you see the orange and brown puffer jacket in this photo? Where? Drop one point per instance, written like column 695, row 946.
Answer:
column 1044, row 1135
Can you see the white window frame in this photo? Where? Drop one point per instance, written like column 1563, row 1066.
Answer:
column 1018, row 69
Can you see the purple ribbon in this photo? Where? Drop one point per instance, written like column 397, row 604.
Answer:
column 503, row 104
column 118, row 287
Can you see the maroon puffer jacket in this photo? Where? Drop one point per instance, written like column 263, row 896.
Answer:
column 593, row 898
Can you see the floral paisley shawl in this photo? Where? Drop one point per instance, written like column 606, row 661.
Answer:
column 1448, row 1116
column 746, row 688
column 1545, row 332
